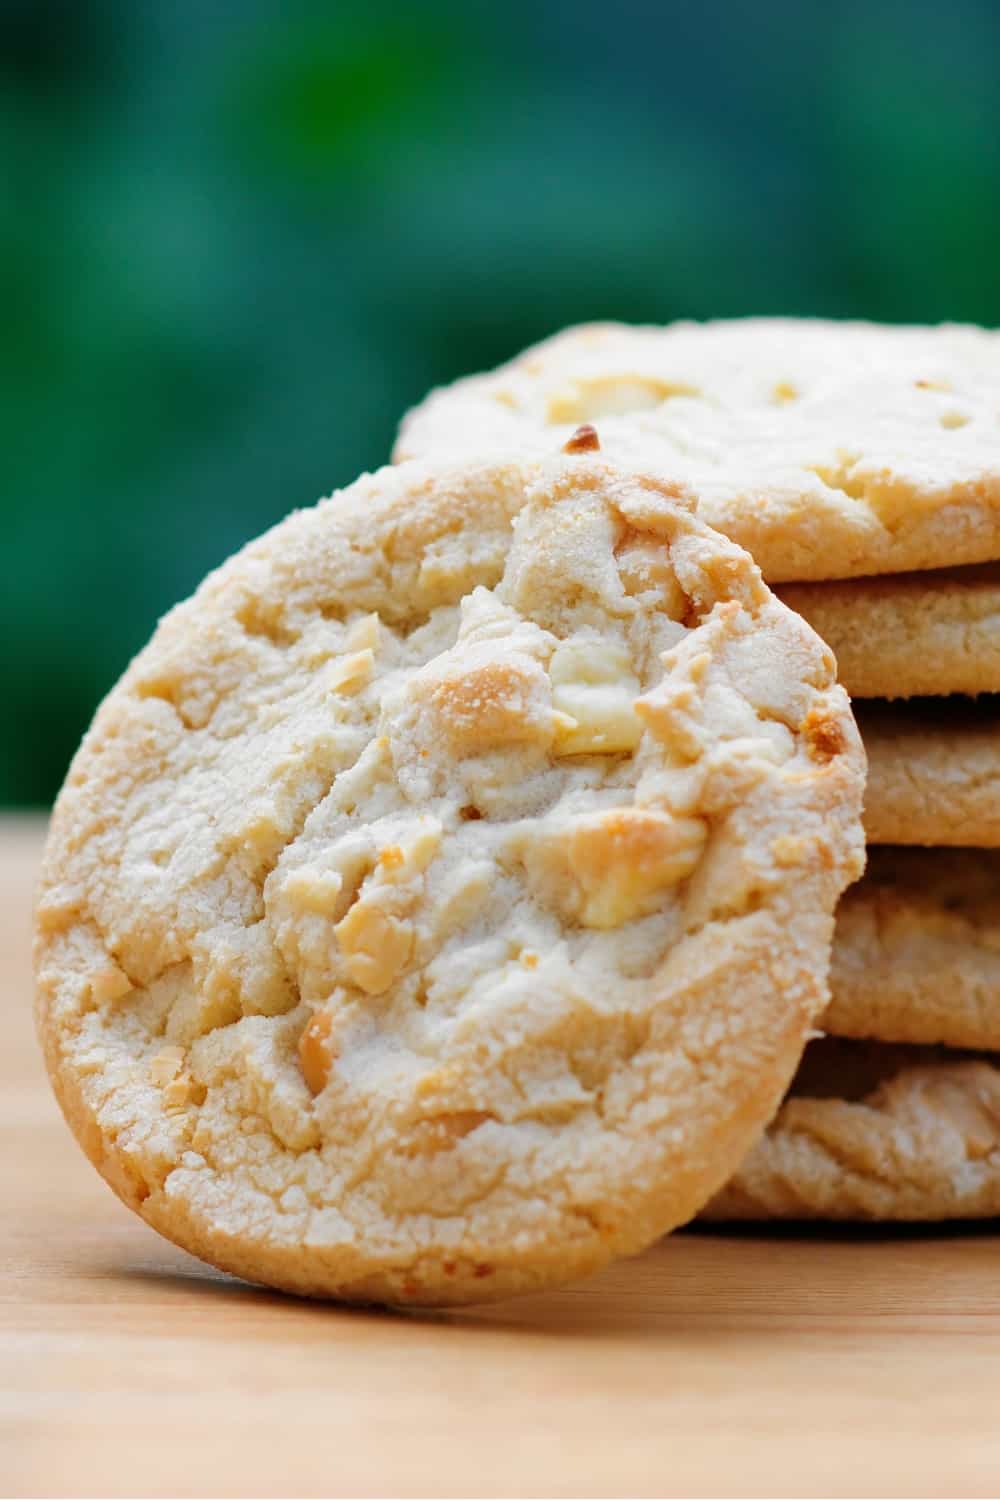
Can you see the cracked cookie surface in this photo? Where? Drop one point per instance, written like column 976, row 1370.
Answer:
column 439, row 904
column 880, row 1133
column 828, row 450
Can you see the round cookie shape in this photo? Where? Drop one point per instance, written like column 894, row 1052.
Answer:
column 877, row 1132
column 439, row 905
column 828, row 450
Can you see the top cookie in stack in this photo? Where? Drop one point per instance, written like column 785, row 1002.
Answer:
column 861, row 466
column 828, row 450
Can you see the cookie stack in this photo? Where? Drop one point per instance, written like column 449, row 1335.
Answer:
column 861, row 467
column 442, row 903
column 904, row 1122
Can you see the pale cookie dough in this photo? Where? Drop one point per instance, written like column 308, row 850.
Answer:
column 439, row 905
column 933, row 771
column 916, row 956
column 916, row 633
column 871, row 1132
column 828, row 450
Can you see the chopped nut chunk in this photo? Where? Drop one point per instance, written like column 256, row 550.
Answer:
column 181, row 1092
column 166, row 1065
column 365, row 634
column 824, row 737
column 584, row 440
column 109, row 984
column 375, row 944
column 316, row 1051
column 350, row 673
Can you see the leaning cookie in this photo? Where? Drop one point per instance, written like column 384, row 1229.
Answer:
column 916, row 956
column 909, row 635
column 879, row 1133
column 933, row 771
column 439, row 905
column 828, row 450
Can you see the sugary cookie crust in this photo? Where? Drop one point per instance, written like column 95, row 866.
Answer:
column 828, row 450
column 916, row 955
column 439, row 904
column 909, row 635
column 878, row 1133
column 933, row 772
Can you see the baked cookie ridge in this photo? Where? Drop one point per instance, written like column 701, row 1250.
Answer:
column 439, row 905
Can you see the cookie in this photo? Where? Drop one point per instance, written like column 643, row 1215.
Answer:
column 828, row 450
column 440, row 903
column 916, row 956
column 913, row 634
column 871, row 1132
column 933, row 771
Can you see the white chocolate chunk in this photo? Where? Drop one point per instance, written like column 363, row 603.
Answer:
column 610, row 396
column 593, row 685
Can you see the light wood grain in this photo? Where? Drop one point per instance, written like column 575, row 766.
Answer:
column 711, row 1366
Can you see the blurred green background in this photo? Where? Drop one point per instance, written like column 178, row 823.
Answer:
column 237, row 240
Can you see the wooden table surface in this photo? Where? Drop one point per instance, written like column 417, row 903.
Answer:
column 713, row 1365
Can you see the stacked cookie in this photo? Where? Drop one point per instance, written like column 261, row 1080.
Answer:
column 861, row 467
